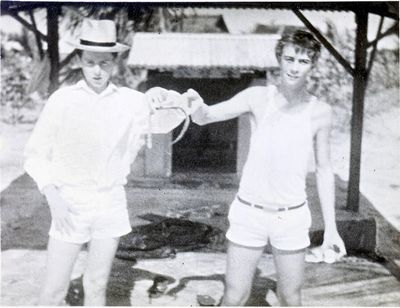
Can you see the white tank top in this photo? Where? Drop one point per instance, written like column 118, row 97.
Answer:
column 280, row 149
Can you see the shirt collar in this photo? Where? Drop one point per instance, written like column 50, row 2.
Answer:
column 110, row 88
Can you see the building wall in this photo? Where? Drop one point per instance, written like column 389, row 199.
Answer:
column 155, row 161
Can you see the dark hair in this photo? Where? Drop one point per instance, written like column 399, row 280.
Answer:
column 302, row 39
column 80, row 51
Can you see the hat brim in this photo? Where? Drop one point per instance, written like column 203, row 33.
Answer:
column 116, row 48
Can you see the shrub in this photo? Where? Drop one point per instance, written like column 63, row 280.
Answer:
column 15, row 78
column 333, row 84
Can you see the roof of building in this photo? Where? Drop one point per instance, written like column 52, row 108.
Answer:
column 383, row 8
column 174, row 50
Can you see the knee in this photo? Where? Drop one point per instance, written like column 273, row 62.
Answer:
column 94, row 285
column 235, row 295
column 290, row 295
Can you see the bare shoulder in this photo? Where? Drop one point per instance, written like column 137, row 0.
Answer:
column 257, row 89
column 259, row 97
column 252, row 93
column 261, row 91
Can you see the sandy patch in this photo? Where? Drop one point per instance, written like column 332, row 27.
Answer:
column 12, row 143
column 380, row 162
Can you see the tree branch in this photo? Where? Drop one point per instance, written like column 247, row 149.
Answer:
column 325, row 42
column 392, row 29
column 28, row 25
column 67, row 59
column 375, row 45
column 37, row 35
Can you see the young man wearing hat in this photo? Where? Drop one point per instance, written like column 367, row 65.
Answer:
column 271, row 206
column 80, row 153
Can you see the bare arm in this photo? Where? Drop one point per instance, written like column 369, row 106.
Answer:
column 325, row 179
column 324, row 174
column 232, row 108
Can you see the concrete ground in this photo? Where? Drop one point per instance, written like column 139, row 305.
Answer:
column 351, row 282
column 364, row 278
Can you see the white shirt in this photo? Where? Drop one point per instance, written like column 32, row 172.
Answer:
column 89, row 140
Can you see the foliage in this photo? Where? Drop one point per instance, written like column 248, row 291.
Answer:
column 329, row 81
column 15, row 79
column 129, row 19
column 333, row 84
column 385, row 71
column 18, row 74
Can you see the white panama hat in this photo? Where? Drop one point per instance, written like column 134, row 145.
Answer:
column 99, row 36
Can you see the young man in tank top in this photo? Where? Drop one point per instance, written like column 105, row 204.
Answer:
column 271, row 206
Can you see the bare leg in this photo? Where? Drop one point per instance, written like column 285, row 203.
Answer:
column 100, row 259
column 241, row 266
column 290, row 269
column 61, row 257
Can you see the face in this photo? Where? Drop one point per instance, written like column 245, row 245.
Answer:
column 295, row 66
column 97, row 69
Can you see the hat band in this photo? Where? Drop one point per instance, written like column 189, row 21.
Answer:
column 90, row 43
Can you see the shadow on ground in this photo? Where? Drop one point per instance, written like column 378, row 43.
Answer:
column 25, row 218
column 25, row 221
column 124, row 277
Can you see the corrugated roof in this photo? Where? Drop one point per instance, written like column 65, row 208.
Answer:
column 173, row 50
column 384, row 8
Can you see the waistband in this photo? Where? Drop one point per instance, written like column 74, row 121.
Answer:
column 262, row 207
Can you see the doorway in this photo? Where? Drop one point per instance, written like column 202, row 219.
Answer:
column 211, row 148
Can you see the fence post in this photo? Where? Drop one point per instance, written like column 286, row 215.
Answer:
column 359, row 87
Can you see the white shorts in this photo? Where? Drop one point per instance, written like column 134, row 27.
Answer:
column 100, row 214
column 253, row 227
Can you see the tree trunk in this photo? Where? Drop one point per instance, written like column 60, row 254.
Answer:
column 52, row 46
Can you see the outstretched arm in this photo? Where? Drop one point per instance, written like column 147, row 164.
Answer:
column 232, row 108
column 326, row 182
column 202, row 114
